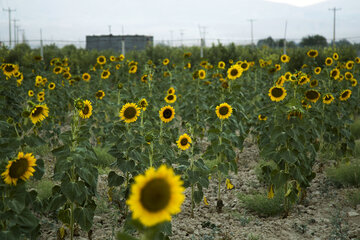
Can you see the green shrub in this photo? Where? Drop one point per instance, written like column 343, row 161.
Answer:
column 263, row 206
column 355, row 129
column 104, row 159
column 353, row 197
column 357, row 149
column 43, row 188
column 346, row 174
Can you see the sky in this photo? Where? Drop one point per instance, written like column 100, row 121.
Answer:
column 174, row 22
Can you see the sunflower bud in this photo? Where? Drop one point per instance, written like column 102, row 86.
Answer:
column 79, row 104
column 120, row 86
column 31, row 104
column 148, row 138
column 10, row 120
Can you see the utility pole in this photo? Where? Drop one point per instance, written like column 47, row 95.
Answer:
column 252, row 32
column 109, row 29
column 181, row 39
column 41, row 45
column 9, row 11
column 171, row 38
column 202, row 31
column 285, row 38
column 123, row 41
column 334, row 9
column 15, row 29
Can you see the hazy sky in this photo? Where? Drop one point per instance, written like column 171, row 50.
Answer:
column 166, row 20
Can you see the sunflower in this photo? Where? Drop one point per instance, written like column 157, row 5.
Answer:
column 184, row 142
column 287, row 76
column 100, row 94
column 38, row 113
column 348, row 75
column 101, row 60
column 187, row 66
column 245, row 66
column 166, row 61
column 21, row 167
column 314, row 83
column 144, row 78
column 336, row 56
column 129, row 112
column 303, row 80
column 38, row 79
column 167, row 114
column 155, row 196
column 9, row 69
column 262, row 117
column 234, row 72
column 51, row 86
column 105, row 74
column 312, row 53
column 121, row 57
column 133, row 69
column 345, row 95
column 143, row 104
column 171, row 91
column 171, row 98
column 349, row 65
column 112, row 58
column 221, row 65
column 328, row 61
column 277, row 93
column 335, row 73
column 317, row 70
column 277, row 67
column 86, row 110
column 312, row 95
column 37, row 58
column 41, row 99
column 280, row 81
column 353, row 82
column 202, row 74
column 328, row 98
column 86, row 77
column 229, row 185
column 294, row 113
column 223, row 111
column 57, row 70
column 66, row 75
column 30, row 93
column 357, row 60
column 284, row 58
column 187, row 54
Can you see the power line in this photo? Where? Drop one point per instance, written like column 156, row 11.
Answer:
column 252, row 32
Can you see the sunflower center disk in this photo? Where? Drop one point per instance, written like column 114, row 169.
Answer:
column 312, row 95
column 170, row 97
column 167, row 113
column 277, row 92
column 37, row 111
column 234, row 72
column 9, row 68
column 129, row 113
column 155, row 195
column 223, row 110
column 85, row 110
column 345, row 94
column 183, row 142
column 18, row 168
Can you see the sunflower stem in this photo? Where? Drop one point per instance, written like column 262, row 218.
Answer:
column 17, row 133
column 151, row 153
column 72, row 221
column 219, row 186
column 161, row 130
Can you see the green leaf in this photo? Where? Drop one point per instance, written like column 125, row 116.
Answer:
column 198, row 196
column 64, row 215
column 57, row 202
column 89, row 174
column 26, row 221
column 74, row 191
column 114, row 180
column 84, row 217
column 39, row 169
column 124, row 236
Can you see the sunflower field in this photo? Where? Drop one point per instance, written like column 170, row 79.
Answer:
column 171, row 124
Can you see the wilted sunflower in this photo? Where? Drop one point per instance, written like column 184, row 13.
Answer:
column 100, row 94
column 86, row 110
column 155, row 196
column 294, row 113
column 167, row 114
column 223, row 111
column 166, row 61
column 328, row 61
column 171, row 91
column 336, row 56
column 348, row 75
column 57, row 70
column 30, row 93
column 101, row 60
column 312, row 95
column 129, row 112
column 221, row 65
column 202, row 74
column 280, row 81
column 314, row 83
column 51, row 86
column 19, row 168
column 335, row 73
column 170, row 98
column 105, row 74
column 328, row 98
column 345, row 95
column 143, row 104
column 184, row 142
column 312, row 53
column 277, row 93
column 317, row 70
column 284, row 58
column 133, row 69
column 39, row 113
column 303, row 80
column 262, row 117
column 86, row 77
column 234, row 72
column 349, row 65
